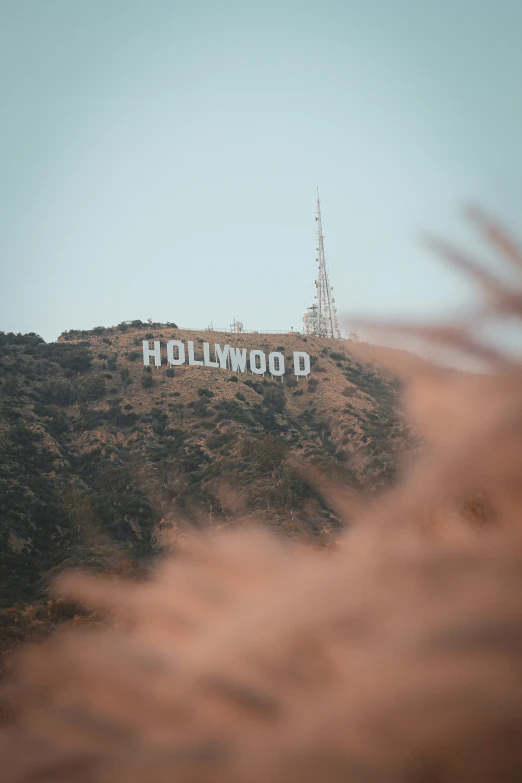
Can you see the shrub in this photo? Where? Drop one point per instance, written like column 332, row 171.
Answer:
column 221, row 439
column 147, row 381
column 255, row 385
column 203, row 392
column 200, row 407
column 170, row 372
column 275, row 397
column 231, row 410
column 11, row 386
column 133, row 355
column 92, row 389
column 268, row 452
column 61, row 392
column 78, row 359
column 233, row 379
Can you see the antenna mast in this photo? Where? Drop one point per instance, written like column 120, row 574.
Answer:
column 323, row 319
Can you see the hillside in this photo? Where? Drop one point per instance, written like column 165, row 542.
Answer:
column 95, row 448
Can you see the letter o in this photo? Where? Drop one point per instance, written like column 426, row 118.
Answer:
column 170, row 352
column 272, row 363
column 262, row 362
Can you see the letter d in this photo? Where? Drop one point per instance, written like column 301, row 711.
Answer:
column 301, row 363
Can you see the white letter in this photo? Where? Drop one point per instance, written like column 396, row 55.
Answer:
column 238, row 359
column 276, row 363
column 301, row 363
column 170, row 352
column 222, row 355
column 206, row 357
column 191, row 354
column 262, row 362
column 147, row 353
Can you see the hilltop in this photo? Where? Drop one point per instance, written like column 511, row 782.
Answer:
column 97, row 450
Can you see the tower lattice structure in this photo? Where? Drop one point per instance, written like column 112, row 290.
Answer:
column 321, row 318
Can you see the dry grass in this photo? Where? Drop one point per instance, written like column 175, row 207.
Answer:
column 397, row 657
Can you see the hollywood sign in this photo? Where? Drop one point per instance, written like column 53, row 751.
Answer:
column 226, row 358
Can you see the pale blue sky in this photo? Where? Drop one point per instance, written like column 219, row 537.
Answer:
column 159, row 159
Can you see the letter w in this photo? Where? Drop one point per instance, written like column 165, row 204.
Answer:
column 238, row 359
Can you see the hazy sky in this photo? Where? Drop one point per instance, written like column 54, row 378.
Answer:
column 160, row 159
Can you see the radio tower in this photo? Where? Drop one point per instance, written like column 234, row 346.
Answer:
column 321, row 318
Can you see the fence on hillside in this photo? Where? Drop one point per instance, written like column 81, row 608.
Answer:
column 243, row 331
column 351, row 337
